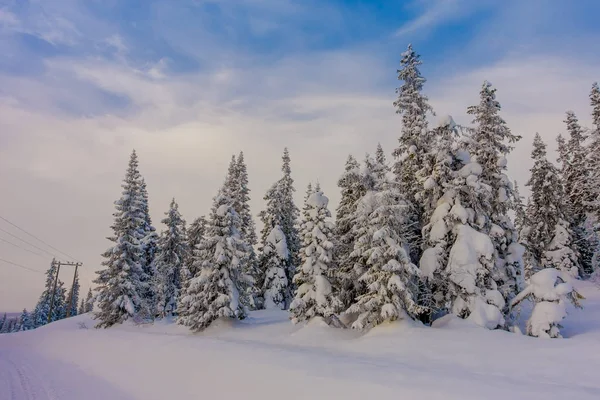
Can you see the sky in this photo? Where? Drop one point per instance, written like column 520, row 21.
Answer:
column 188, row 83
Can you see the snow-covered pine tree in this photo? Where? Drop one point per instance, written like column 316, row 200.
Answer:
column 149, row 243
column 6, row 326
column 81, row 309
column 243, row 201
column 2, row 320
column 89, row 302
column 413, row 106
column 549, row 239
column 274, row 256
column 123, row 283
column 26, row 322
column 73, row 297
column 549, row 289
column 214, row 292
column 274, row 259
column 42, row 308
column 593, row 162
column 520, row 210
column 491, row 141
column 352, row 190
column 415, row 137
column 316, row 295
column 289, row 216
column 459, row 259
column 441, row 161
column 241, row 204
column 390, row 279
column 575, row 175
column 195, row 235
column 170, row 256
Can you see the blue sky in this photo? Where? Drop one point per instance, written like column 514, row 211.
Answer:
column 189, row 82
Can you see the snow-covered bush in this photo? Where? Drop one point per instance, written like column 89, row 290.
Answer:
column 550, row 289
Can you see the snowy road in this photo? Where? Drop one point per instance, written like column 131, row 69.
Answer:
column 28, row 376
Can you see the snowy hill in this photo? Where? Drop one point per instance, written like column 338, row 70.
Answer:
column 266, row 357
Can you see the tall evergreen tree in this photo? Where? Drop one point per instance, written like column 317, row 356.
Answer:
column 289, row 214
column 89, row 302
column 195, row 235
column 315, row 278
column 275, row 258
column 42, row 309
column 170, row 257
column 352, row 190
column 149, row 244
column 491, row 143
column 81, row 309
column 575, row 175
column 215, row 290
column 549, row 239
column 389, row 278
column 123, row 283
column 25, row 321
column 73, row 297
column 459, row 258
column 413, row 106
column 243, row 201
column 414, row 140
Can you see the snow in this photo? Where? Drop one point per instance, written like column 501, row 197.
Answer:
column 446, row 121
column 268, row 355
column 465, row 257
column 317, row 200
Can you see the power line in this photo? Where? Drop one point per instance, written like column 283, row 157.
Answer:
column 31, row 244
column 21, row 266
column 40, row 240
column 22, row 248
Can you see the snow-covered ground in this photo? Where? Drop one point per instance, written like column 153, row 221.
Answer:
column 266, row 357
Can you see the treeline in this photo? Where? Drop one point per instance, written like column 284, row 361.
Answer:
column 429, row 234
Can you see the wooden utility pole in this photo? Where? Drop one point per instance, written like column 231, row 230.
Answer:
column 70, row 302
column 58, row 264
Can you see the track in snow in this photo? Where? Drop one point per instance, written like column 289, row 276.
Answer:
column 28, row 376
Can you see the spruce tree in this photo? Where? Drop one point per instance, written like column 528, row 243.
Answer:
column 149, row 243
column 216, row 289
column 389, row 278
column 491, row 142
column 289, row 215
column 243, row 201
column 73, row 297
column 170, row 256
column 123, row 283
column 42, row 309
column 316, row 295
column 81, row 309
column 549, row 238
column 2, row 320
column 89, row 302
column 25, row 321
column 413, row 106
column 352, row 190
column 195, row 235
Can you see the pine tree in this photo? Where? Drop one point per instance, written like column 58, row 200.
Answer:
column 279, row 217
column 25, row 321
column 42, row 308
column 274, row 261
column 149, row 244
column 214, row 292
column 243, row 202
column 73, row 297
column 89, row 302
column 550, row 238
column 195, row 235
column 592, row 224
column 123, row 284
column 575, row 175
column 7, row 326
column 352, row 190
column 2, row 321
column 491, row 143
column 390, row 279
column 170, row 257
column 413, row 106
column 289, row 215
column 81, row 309
column 316, row 294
